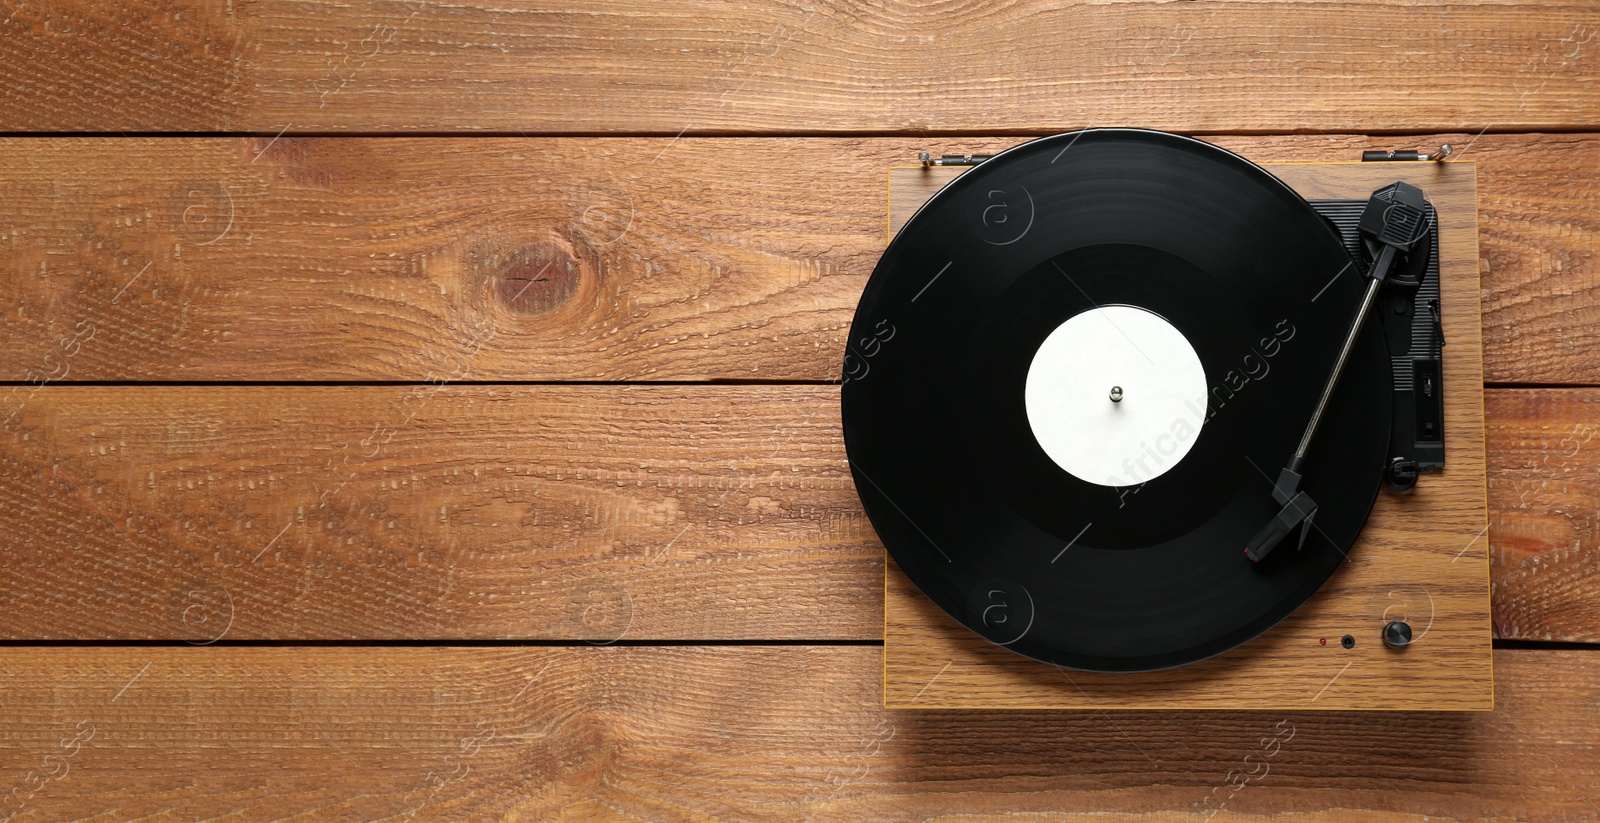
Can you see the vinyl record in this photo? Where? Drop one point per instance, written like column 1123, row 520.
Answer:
column 1072, row 379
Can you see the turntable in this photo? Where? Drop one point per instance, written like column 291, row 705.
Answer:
column 1142, row 424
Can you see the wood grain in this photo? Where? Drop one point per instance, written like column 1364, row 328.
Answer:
column 741, row 734
column 1544, row 484
column 616, row 514
column 838, row 66
column 151, row 512
column 1421, row 557
column 594, row 513
column 602, row 259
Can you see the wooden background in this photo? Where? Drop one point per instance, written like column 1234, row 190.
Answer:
column 428, row 411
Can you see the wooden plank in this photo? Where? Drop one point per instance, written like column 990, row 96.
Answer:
column 592, row 513
column 602, row 259
column 732, row 733
column 845, row 66
column 151, row 512
column 1544, row 484
column 1421, row 557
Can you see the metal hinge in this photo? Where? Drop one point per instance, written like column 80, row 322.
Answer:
column 1407, row 154
column 929, row 160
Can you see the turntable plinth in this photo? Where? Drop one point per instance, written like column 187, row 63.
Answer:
column 1423, row 556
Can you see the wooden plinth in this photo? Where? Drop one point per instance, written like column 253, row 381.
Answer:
column 1423, row 557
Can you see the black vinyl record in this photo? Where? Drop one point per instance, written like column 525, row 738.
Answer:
column 1143, row 568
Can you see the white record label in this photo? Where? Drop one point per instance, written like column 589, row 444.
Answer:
column 1135, row 356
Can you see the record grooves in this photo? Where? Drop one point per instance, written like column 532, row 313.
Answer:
column 1095, row 533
